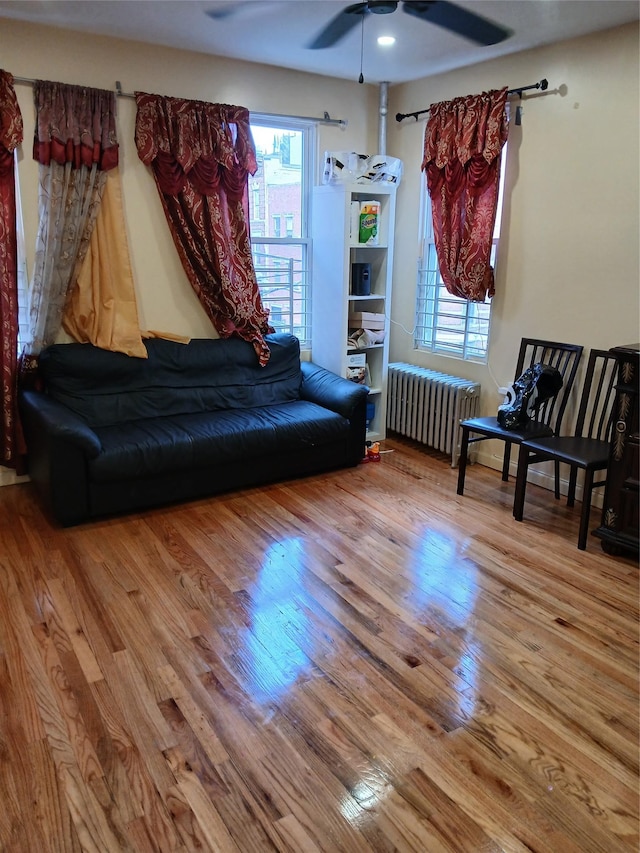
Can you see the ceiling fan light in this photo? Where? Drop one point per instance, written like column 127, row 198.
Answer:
column 382, row 7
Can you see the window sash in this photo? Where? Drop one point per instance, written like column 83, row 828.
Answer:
column 446, row 324
column 281, row 262
column 283, row 279
column 451, row 326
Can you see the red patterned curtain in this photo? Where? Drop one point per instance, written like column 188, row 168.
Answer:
column 201, row 155
column 10, row 138
column 462, row 146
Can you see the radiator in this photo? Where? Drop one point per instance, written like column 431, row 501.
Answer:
column 428, row 406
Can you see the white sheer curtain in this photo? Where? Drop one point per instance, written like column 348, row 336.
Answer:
column 69, row 200
column 21, row 266
column 75, row 145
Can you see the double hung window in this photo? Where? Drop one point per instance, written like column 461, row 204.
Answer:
column 279, row 195
column 446, row 324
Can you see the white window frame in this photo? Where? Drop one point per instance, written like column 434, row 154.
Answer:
column 295, row 275
column 255, row 196
column 436, row 307
column 288, row 224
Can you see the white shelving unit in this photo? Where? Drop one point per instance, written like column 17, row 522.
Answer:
column 335, row 249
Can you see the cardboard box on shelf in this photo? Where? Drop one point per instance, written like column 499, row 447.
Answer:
column 357, row 359
column 366, row 320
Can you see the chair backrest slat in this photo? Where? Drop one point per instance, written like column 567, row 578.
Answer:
column 598, row 393
column 565, row 358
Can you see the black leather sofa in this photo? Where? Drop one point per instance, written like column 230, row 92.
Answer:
column 107, row 433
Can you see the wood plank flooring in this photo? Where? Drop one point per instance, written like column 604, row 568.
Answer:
column 359, row 661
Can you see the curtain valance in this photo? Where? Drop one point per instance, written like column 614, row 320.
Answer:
column 466, row 127
column 76, row 125
column 208, row 144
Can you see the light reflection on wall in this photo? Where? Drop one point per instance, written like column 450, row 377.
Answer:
column 273, row 660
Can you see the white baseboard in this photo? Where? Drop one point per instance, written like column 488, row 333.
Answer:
column 540, row 476
column 8, row 477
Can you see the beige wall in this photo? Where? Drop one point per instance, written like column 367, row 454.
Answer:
column 568, row 258
column 568, row 262
column 165, row 298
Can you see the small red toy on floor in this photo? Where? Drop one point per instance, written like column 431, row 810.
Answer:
column 372, row 452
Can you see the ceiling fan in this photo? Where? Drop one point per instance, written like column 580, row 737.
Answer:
column 451, row 17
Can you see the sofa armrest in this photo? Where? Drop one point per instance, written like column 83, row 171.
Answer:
column 59, row 445
column 331, row 391
column 51, row 417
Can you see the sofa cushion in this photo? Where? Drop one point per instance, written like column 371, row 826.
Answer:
column 181, row 442
column 107, row 388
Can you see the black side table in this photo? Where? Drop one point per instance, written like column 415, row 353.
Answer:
column 619, row 529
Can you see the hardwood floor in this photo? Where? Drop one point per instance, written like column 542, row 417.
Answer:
column 359, row 661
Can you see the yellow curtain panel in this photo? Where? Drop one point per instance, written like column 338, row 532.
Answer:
column 102, row 309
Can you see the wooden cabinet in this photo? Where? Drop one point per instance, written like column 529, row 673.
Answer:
column 336, row 249
column 619, row 529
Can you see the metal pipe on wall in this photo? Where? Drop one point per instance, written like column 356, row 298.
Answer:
column 382, row 127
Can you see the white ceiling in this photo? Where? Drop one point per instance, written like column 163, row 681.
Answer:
column 277, row 32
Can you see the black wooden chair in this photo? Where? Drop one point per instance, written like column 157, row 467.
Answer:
column 587, row 449
column 565, row 358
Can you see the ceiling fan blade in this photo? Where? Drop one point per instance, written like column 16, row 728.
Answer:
column 238, row 8
column 337, row 28
column 458, row 20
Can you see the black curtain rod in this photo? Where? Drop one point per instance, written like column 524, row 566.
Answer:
column 543, row 85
